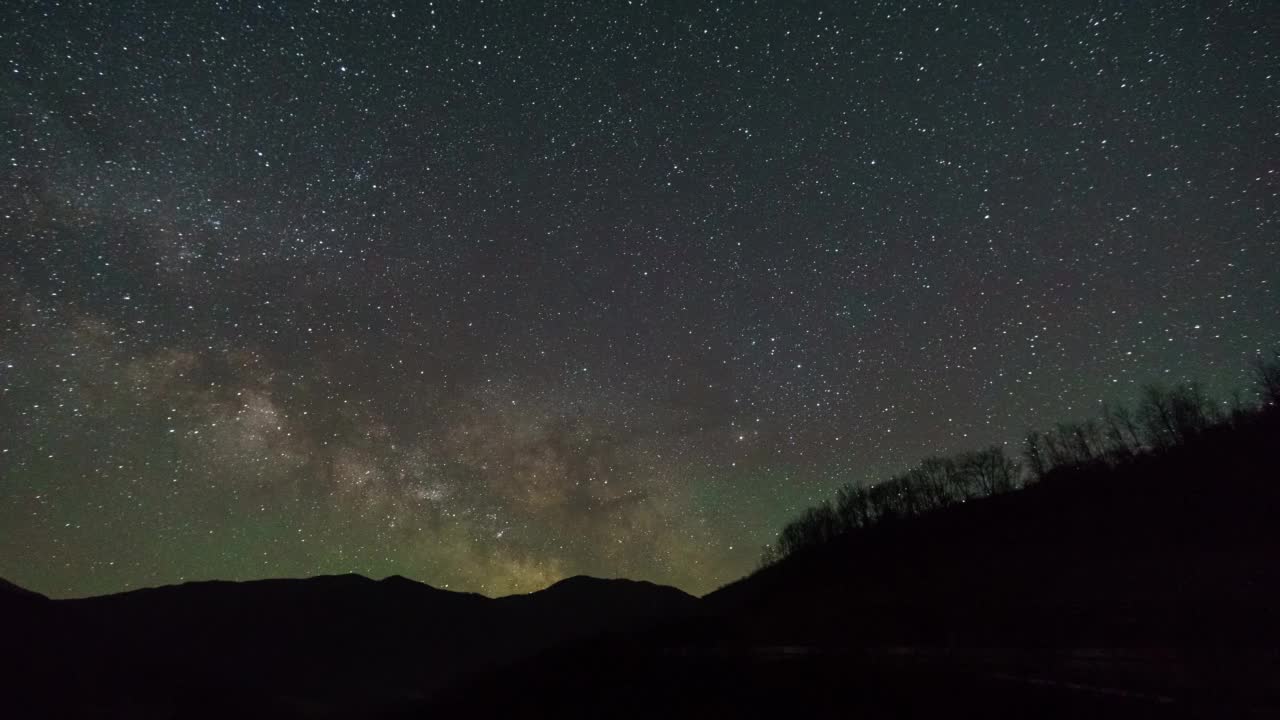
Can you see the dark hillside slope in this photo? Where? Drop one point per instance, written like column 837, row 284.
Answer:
column 1177, row 548
column 1143, row 590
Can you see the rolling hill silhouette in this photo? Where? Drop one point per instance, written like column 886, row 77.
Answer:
column 325, row 645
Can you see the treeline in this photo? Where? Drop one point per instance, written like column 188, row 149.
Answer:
column 1164, row 418
column 933, row 484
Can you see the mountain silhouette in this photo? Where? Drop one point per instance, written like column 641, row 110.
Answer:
column 1140, row 587
column 344, row 643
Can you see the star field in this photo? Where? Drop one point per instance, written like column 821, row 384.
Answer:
column 492, row 293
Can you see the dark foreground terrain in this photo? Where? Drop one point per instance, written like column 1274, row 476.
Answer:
column 1146, row 589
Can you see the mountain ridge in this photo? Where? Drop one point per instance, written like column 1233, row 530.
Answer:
column 343, row 641
column 581, row 580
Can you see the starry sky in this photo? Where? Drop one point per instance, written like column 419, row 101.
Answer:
column 492, row 293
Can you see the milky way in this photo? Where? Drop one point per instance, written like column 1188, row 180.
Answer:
column 488, row 294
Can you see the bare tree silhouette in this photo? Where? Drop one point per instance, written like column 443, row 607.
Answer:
column 1165, row 418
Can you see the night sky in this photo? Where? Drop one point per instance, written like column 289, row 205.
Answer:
column 489, row 294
